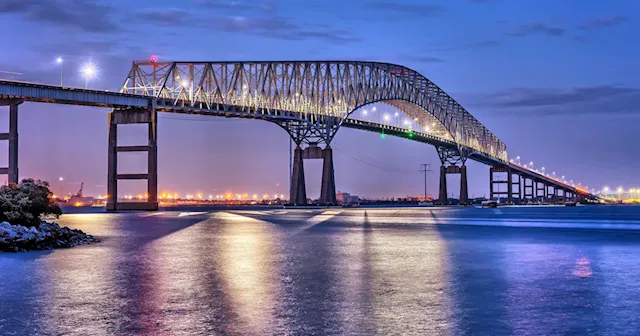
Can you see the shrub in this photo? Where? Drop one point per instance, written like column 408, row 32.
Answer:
column 25, row 202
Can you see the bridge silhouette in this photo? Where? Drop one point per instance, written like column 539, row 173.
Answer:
column 311, row 100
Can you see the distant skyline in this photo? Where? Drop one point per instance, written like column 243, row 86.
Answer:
column 556, row 81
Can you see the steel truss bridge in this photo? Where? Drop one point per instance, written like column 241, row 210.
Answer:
column 311, row 100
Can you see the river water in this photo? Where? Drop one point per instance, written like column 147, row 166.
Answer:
column 360, row 271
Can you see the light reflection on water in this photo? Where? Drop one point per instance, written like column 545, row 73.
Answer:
column 298, row 273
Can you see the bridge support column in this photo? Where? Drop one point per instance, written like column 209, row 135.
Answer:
column 453, row 162
column 147, row 116
column 328, row 186
column 12, row 137
column 443, row 197
column 529, row 190
column 509, row 186
column 464, row 192
column 298, row 191
column 496, row 180
column 315, row 134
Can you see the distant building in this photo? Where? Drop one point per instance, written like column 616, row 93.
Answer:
column 346, row 198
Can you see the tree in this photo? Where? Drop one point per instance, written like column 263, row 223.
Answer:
column 25, row 202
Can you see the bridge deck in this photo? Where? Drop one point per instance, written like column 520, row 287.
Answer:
column 67, row 95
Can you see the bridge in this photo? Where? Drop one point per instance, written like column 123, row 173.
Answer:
column 311, row 100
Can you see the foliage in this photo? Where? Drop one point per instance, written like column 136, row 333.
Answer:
column 25, row 202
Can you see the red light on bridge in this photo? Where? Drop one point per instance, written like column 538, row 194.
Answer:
column 154, row 58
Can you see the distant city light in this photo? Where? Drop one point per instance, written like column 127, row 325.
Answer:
column 60, row 178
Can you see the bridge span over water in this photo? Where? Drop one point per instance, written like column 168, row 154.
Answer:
column 311, row 100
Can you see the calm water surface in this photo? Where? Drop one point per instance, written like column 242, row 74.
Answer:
column 332, row 272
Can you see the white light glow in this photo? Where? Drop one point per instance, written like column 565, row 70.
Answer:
column 89, row 71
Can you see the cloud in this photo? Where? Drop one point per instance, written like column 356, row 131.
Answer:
column 265, row 5
column 603, row 22
column 419, row 58
column 165, row 16
column 263, row 23
column 411, row 9
column 537, row 28
column 269, row 26
column 88, row 16
column 466, row 46
column 603, row 99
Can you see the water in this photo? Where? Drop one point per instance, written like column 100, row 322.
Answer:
column 339, row 271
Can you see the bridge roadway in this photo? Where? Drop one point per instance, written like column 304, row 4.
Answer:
column 13, row 93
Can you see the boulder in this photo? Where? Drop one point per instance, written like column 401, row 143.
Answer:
column 15, row 238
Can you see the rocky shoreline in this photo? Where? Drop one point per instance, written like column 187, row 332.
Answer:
column 46, row 236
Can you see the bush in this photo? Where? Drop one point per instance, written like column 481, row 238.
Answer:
column 25, row 202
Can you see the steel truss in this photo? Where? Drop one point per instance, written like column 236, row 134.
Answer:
column 309, row 91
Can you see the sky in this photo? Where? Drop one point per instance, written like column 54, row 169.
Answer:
column 557, row 81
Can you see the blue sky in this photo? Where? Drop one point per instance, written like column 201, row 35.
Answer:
column 556, row 81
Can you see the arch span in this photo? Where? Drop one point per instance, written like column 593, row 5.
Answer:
column 310, row 90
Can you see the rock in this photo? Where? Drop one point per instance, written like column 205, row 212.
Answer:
column 45, row 236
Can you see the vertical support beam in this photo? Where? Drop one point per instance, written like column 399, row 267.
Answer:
column 112, row 164
column 13, row 143
column 297, row 192
column 491, row 183
column 509, row 186
column 520, row 189
column 152, row 163
column 442, row 195
column 328, row 186
column 464, row 192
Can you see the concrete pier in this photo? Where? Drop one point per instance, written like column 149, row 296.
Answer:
column 298, row 190
column 464, row 192
column 147, row 116
column 328, row 186
column 443, row 198
column 12, row 137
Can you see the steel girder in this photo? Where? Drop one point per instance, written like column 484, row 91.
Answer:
column 313, row 90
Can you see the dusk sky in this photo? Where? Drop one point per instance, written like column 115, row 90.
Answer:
column 557, row 81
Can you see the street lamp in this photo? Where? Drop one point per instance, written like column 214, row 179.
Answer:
column 59, row 60
column 518, row 159
column 89, row 71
